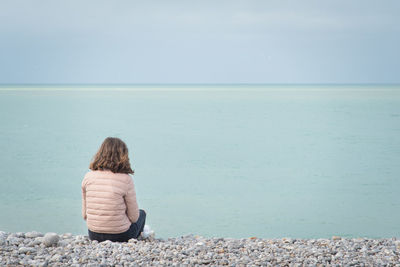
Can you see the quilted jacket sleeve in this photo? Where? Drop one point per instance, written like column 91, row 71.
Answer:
column 132, row 209
column 84, row 200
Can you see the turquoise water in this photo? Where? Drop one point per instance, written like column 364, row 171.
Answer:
column 235, row 161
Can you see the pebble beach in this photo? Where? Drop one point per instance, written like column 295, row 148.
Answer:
column 50, row 249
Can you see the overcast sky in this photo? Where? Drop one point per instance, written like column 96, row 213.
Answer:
column 205, row 41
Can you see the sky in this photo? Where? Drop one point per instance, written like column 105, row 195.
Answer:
column 205, row 41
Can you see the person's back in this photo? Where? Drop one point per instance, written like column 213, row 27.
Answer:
column 109, row 203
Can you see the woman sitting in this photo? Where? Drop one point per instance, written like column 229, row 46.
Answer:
column 109, row 203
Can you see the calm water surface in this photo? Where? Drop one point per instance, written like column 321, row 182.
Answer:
column 234, row 162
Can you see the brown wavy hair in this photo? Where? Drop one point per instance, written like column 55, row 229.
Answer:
column 113, row 156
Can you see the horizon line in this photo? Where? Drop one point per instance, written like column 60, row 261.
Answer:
column 196, row 84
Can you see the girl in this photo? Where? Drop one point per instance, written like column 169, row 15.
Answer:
column 108, row 195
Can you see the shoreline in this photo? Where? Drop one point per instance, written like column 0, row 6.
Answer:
column 37, row 249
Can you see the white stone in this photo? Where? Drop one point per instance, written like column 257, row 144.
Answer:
column 147, row 232
column 67, row 235
column 50, row 239
column 33, row 234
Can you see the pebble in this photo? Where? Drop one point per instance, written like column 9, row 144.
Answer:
column 34, row 249
column 20, row 234
column 26, row 250
column 50, row 239
column 3, row 234
column 33, row 234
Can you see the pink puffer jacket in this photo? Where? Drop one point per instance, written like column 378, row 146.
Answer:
column 109, row 202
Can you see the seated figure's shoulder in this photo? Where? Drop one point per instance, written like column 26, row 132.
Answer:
column 125, row 177
column 86, row 178
column 89, row 174
column 92, row 175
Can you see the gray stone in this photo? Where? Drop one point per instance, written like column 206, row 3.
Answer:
column 3, row 235
column 50, row 239
column 33, row 234
column 13, row 240
column 44, row 264
column 26, row 250
column 37, row 241
column 62, row 243
column 56, row 258
column 20, row 234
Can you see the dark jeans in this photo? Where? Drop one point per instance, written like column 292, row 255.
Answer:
column 133, row 231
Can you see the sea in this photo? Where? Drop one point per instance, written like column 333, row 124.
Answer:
column 239, row 161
